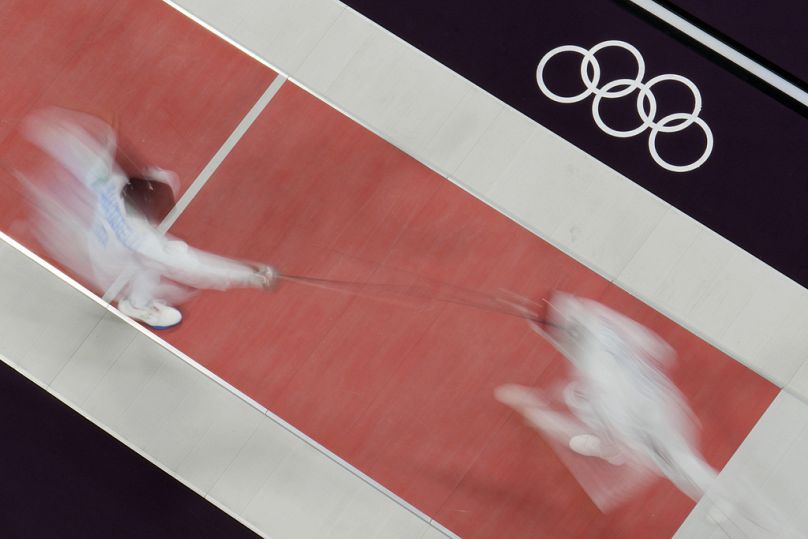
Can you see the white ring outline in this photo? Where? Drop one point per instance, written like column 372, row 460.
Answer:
column 540, row 75
column 589, row 58
column 680, row 168
column 647, row 121
column 646, row 92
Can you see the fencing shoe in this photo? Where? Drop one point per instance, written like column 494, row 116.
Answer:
column 157, row 314
column 589, row 445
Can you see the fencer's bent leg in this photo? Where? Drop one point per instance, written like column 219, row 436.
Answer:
column 143, row 288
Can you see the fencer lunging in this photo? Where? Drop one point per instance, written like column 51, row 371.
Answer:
column 84, row 222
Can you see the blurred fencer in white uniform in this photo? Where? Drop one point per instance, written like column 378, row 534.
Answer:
column 623, row 407
column 620, row 407
column 84, row 222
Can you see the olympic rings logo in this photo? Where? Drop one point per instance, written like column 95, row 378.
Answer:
column 672, row 123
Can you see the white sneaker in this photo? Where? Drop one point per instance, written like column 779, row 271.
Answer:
column 158, row 315
column 589, row 445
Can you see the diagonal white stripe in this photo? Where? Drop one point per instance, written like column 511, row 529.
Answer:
column 724, row 50
column 223, row 152
column 205, row 174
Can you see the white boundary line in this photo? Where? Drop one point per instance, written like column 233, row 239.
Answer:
column 724, row 50
column 206, row 173
column 223, row 152
column 219, row 34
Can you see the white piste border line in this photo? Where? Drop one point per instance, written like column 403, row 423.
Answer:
column 718, row 46
column 232, row 514
column 222, row 153
column 225, row 385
